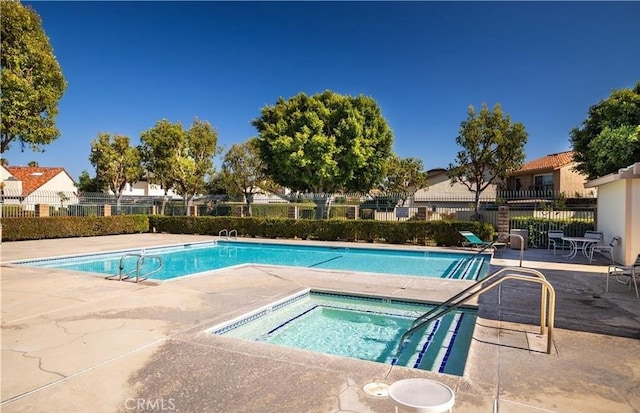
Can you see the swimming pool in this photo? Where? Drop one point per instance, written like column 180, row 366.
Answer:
column 367, row 328
column 187, row 259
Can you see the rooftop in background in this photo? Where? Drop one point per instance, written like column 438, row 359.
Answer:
column 34, row 177
column 553, row 161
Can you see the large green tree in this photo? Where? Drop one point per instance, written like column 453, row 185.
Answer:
column 86, row 183
column 492, row 146
column 160, row 150
column 609, row 138
column 324, row 143
column 243, row 172
column 404, row 176
column 193, row 160
column 117, row 163
column 31, row 81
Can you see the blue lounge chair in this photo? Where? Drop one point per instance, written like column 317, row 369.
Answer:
column 472, row 240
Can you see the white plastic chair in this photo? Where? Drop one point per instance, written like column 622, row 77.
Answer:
column 631, row 271
column 555, row 238
column 604, row 249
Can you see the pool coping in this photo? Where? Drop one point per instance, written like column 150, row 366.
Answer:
column 146, row 343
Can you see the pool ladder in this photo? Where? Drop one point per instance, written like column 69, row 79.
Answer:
column 226, row 234
column 547, row 302
column 134, row 275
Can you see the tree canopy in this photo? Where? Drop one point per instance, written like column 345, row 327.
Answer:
column 492, row 146
column 178, row 158
column 609, row 139
column 324, row 143
column 117, row 163
column 31, row 79
column 243, row 171
column 86, row 183
column 404, row 176
column 193, row 160
column 159, row 151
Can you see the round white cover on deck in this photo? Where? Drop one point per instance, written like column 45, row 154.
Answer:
column 422, row 395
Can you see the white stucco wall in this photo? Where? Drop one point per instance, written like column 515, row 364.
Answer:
column 632, row 248
column 611, row 212
column 619, row 210
column 48, row 193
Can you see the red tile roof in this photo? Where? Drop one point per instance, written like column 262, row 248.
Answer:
column 33, row 177
column 547, row 163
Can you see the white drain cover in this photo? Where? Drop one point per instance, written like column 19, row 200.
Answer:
column 376, row 389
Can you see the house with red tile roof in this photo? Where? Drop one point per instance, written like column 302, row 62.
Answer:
column 552, row 173
column 31, row 185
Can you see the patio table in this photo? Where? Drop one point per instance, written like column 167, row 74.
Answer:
column 579, row 244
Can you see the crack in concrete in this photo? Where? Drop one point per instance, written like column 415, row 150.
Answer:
column 27, row 355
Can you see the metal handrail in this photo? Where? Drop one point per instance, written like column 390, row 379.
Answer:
column 475, row 285
column 521, row 243
column 139, row 262
column 228, row 234
column 547, row 307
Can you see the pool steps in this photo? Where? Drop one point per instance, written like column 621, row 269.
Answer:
column 547, row 301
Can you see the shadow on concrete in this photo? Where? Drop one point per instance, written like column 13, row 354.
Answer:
column 581, row 301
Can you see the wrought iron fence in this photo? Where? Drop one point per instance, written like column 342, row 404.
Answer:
column 537, row 215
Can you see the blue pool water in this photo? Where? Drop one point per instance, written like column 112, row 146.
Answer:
column 195, row 258
column 360, row 327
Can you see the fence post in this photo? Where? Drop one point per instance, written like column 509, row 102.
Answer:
column 42, row 210
column 239, row 211
column 422, row 214
column 104, row 210
column 503, row 220
column 352, row 212
column 292, row 212
column 193, row 210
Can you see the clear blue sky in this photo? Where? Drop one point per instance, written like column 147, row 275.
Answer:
column 130, row 64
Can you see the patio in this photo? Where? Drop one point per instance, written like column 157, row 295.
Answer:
column 72, row 342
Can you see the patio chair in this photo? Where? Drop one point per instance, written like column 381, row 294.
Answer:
column 594, row 234
column 472, row 240
column 604, row 249
column 631, row 271
column 555, row 238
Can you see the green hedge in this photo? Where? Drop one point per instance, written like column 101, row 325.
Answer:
column 443, row 233
column 27, row 228
column 538, row 228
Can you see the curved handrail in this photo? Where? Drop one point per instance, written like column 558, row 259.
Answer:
column 521, row 243
column 140, row 262
column 477, row 284
column 122, row 276
column 547, row 306
column 228, row 233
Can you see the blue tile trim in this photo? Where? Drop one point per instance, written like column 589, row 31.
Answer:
column 292, row 319
column 265, row 311
column 383, row 300
column 427, row 343
column 450, row 344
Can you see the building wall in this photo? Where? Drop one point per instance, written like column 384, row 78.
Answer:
column 48, row 193
column 144, row 188
column 569, row 181
column 611, row 213
column 632, row 232
column 440, row 186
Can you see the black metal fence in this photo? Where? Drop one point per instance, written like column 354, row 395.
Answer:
column 537, row 213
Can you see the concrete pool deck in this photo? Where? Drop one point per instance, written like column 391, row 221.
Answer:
column 75, row 343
